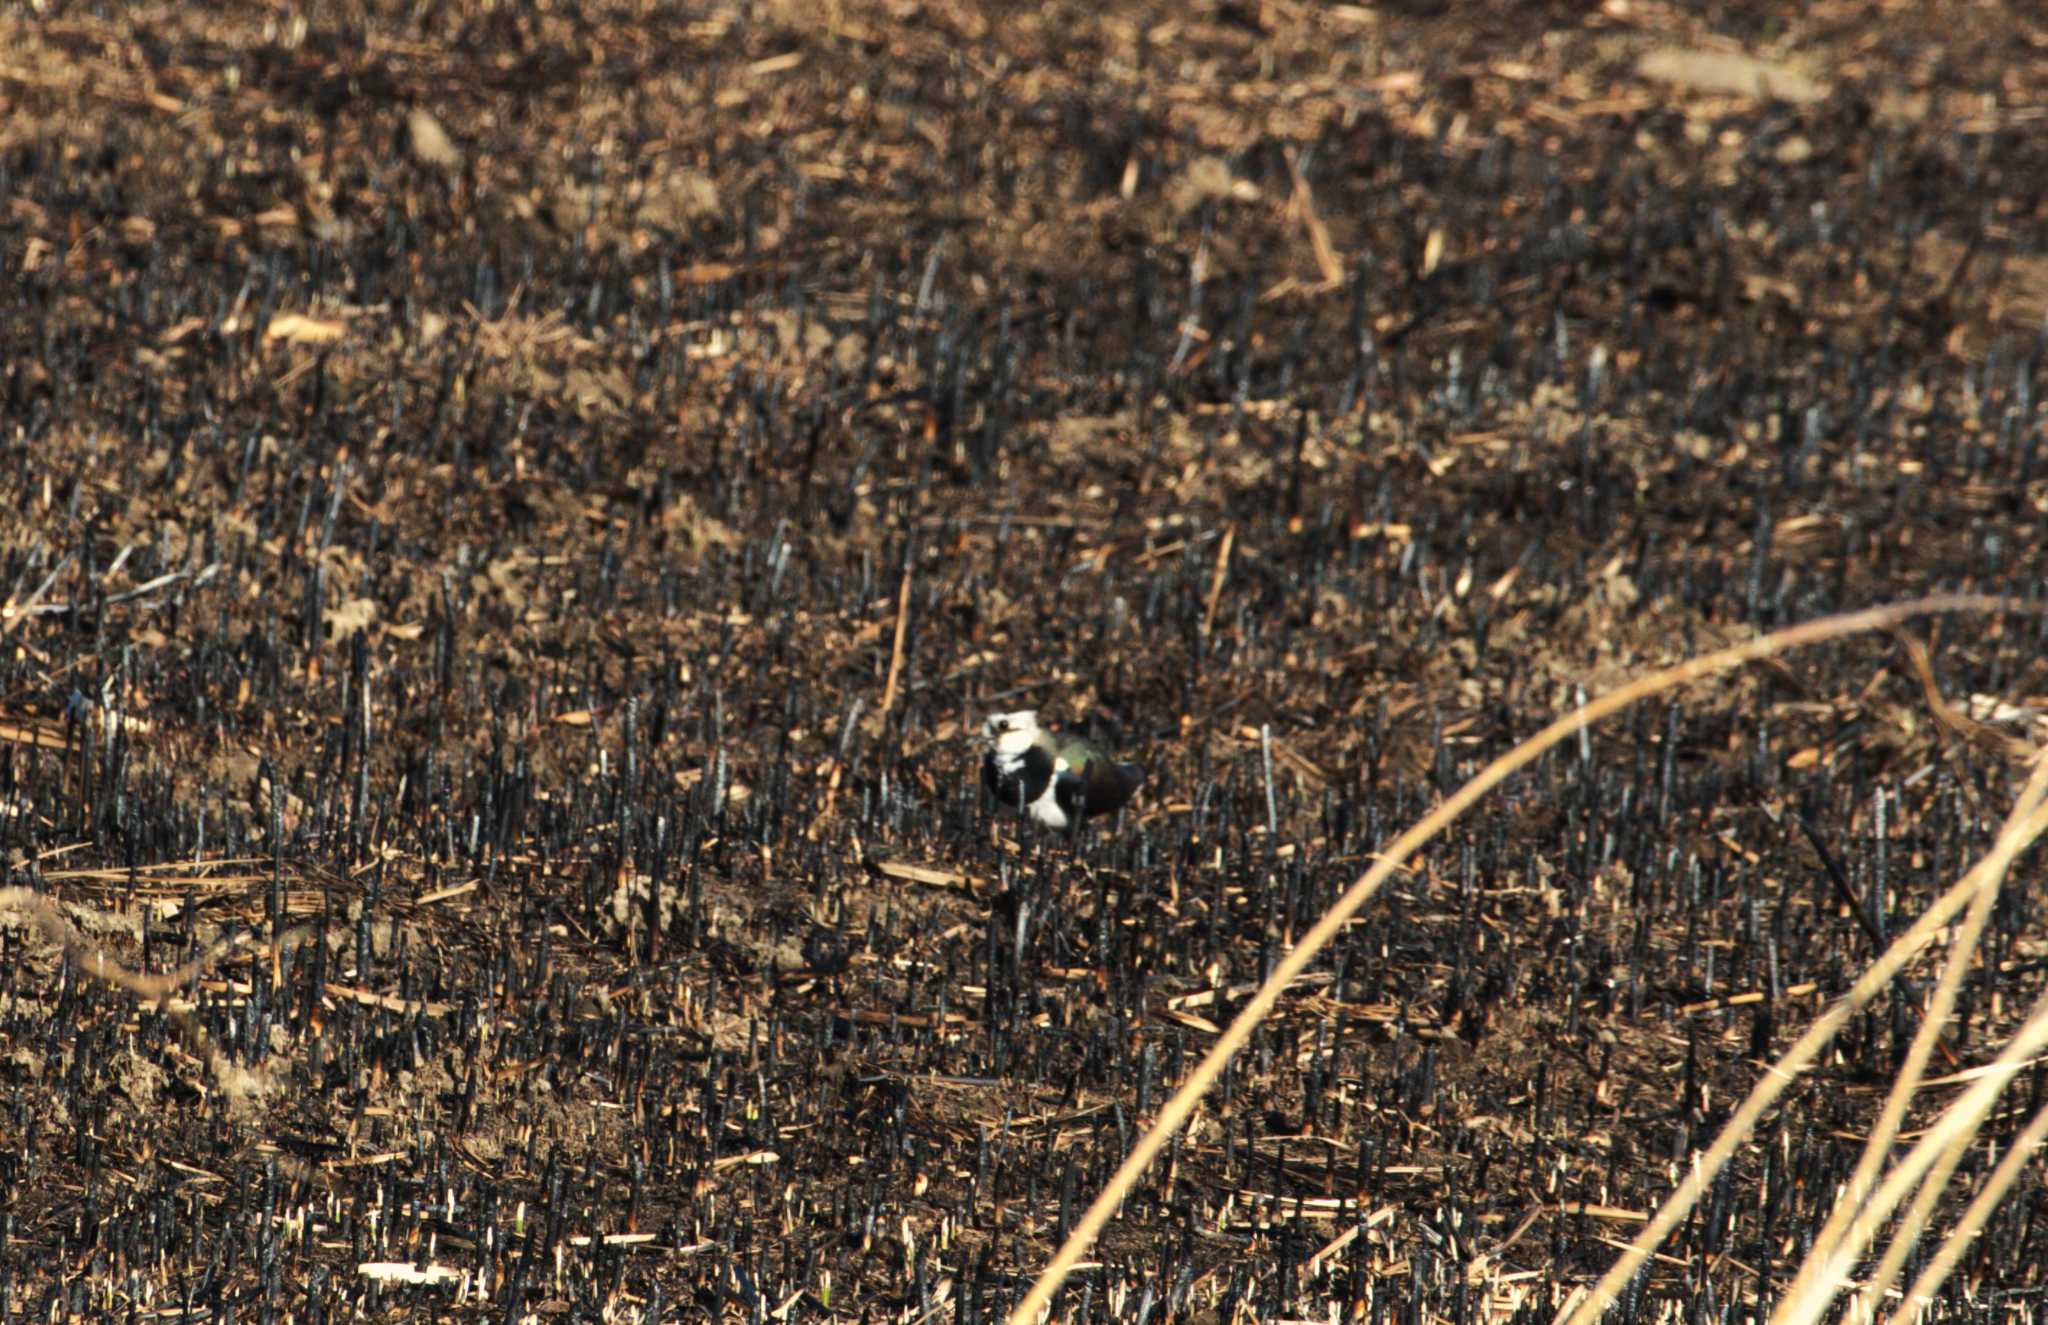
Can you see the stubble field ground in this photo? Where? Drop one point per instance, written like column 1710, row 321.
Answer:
column 516, row 511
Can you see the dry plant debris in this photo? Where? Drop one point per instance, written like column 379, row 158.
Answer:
column 517, row 510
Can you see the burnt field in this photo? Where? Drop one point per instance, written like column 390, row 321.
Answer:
column 517, row 512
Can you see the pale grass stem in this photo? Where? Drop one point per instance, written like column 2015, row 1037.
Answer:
column 1176, row 1111
column 1962, row 949
column 1955, row 1128
column 1975, row 1217
column 2011, row 841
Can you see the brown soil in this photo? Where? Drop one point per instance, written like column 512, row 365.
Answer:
column 519, row 508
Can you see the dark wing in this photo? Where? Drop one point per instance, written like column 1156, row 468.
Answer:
column 1111, row 786
column 1099, row 787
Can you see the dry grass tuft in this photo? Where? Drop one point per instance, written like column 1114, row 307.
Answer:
column 1856, row 1216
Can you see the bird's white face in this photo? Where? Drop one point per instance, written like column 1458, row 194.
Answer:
column 1011, row 734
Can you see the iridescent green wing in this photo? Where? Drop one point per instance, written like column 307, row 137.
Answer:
column 1091, row 782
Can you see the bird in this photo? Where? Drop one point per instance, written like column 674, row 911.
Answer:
column 1054, row 779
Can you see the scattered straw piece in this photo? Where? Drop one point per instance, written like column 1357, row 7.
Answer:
column 242, row 1087
column 1176, row 1111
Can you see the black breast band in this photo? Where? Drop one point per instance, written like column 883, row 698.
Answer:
column 1021, row 788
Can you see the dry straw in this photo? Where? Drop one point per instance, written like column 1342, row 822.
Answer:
column 242, row 1088
column 1850, row 1225
column 1979, row 1213
column 1853, row 1226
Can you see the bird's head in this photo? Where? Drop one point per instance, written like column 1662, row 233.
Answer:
column 1010, row 733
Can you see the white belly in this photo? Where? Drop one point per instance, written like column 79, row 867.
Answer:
column 1046, row 810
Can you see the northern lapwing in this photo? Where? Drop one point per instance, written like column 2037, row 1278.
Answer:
column 1055, row 779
